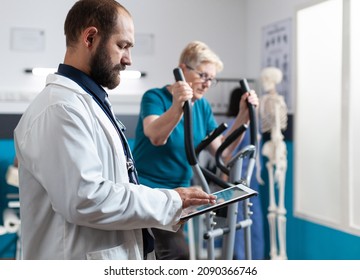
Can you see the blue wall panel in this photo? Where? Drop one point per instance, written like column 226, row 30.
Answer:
column 7, row 155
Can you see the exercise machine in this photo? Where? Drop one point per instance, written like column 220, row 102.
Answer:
column 233, row 169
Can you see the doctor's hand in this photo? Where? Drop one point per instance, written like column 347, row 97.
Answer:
column 194, row 196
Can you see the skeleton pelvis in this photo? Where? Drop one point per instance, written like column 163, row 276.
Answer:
column 271, row 149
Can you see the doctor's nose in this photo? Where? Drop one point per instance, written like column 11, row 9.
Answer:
column 126, row 58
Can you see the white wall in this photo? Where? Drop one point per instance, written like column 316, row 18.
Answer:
column 319, row 152
column 231, row 27
column 172, row 23
column 36, row 14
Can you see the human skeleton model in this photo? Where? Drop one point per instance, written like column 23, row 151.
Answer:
column 273, row 115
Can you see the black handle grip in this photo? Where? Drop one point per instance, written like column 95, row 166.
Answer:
column 178, row 74
column 230, row 139
column 253, row 129
column 244, row 85
column 188, row 127
column 208, row 139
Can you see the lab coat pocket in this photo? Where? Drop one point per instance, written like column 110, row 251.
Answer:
column 116, row 253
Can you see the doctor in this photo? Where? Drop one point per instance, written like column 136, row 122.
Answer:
column 79, row 194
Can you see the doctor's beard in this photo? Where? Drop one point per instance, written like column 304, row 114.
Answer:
column 102, row 69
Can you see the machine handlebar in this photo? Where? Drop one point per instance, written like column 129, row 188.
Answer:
column 189, row 145
column 230, row 139
column 252, row 116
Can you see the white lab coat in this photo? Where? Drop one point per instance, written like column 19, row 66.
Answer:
column 76, row 201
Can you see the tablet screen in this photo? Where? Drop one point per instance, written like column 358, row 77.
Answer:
column 223, row 198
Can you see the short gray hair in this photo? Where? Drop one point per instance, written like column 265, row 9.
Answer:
column 197, row 52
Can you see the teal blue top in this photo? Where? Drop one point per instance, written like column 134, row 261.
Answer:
column 167, row 166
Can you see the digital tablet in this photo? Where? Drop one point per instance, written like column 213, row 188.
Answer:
column 223, row 198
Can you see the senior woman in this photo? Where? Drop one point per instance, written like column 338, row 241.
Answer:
column 159, row 149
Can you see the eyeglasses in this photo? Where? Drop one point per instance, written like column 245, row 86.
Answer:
column 204, row 76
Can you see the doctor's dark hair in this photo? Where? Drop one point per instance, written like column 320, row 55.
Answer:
column 101, row 14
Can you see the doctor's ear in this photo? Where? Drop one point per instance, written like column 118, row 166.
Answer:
column 90, row 34
column 89, row 40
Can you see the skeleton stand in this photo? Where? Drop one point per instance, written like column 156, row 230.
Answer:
column 273, row 114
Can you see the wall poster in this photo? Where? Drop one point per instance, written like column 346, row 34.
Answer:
column 276, row 52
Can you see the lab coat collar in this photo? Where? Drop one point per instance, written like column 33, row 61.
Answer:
column 83, row 80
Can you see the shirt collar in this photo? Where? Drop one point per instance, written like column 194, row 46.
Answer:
column 83, row 80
